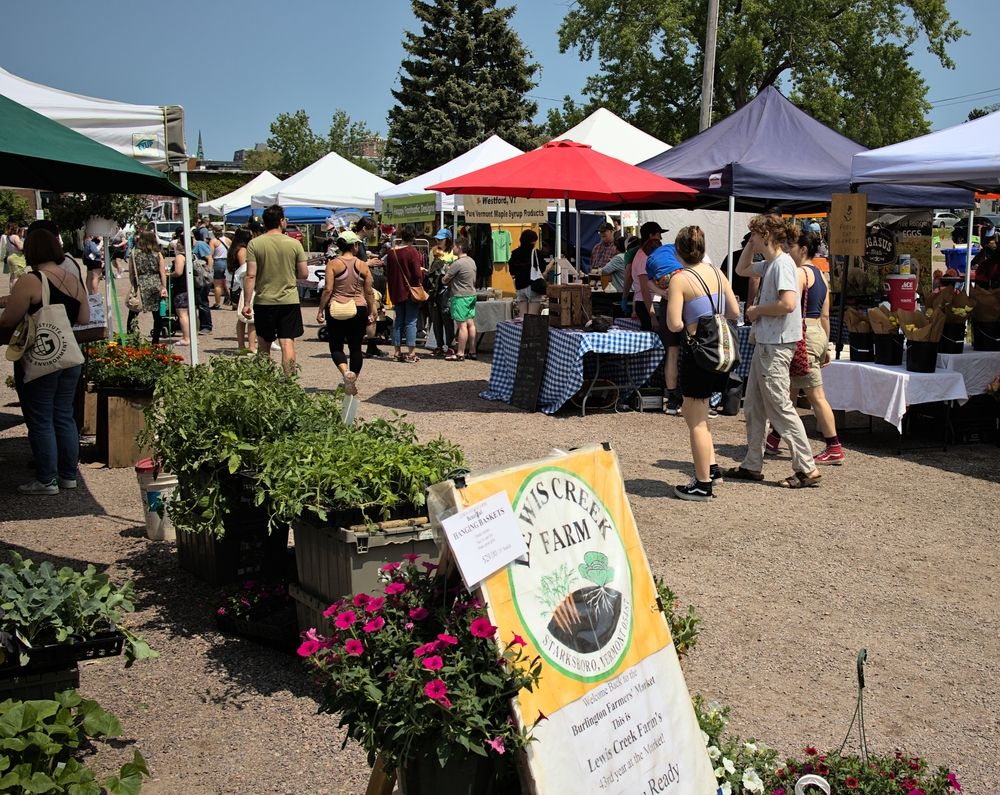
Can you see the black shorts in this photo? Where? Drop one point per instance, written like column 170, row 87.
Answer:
column 278, row 321
column 93, row 264
column 181, row 300
column 670, row 339
column 697, row 383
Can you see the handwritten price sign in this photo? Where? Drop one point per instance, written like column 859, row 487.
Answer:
column 484, row 538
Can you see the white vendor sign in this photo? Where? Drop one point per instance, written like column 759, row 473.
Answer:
column 505, row 210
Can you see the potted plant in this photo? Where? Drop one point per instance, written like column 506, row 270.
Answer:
column 206, row 425
column 419, row 678
column 260, row 611
column 123, row 375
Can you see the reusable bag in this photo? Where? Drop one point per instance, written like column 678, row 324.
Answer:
column 54, row 346
column 342, row 311
column 714, row 344
column 800, row 359
column 538, row 284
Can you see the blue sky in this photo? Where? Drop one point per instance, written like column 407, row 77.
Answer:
column 235, row 66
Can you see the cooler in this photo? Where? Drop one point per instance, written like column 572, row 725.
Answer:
column 901, row 292
column 954, row 258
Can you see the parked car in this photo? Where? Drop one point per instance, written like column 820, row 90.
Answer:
column 293, row 231
column 164, row 231
column 944, row 220
column 960, row 231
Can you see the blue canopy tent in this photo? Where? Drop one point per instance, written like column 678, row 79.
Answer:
column 295, row 215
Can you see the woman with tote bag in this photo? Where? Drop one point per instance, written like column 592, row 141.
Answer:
column 47, row 368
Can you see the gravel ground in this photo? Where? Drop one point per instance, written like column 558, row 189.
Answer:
column 893, row 553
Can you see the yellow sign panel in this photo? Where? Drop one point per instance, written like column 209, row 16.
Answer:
column 847, row 224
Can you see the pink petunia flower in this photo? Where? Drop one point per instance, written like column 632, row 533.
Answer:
column 482, row 628
column 429, row 566
column 434, row 663
column 354, row 648
column 221, row 611
column 311, row 634
column 408, row 625
column 437, row 690
column 360, row 599
column 345, row 619
column 388, row 568
column 419, row 613
column 953, row 782
column 413, row 557
column 333, row 609
column 308, row 648
column 375, row 604
column 517, row 640
column 448, row 640
column 395, row 588
column 375, row 624
column 497, row 745
column 811, row 750
column 426, row 648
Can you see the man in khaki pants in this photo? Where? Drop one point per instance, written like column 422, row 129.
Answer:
column 777, row 327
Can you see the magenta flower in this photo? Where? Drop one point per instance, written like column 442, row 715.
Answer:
column 248, row 584
column 375, row 604
column 517, row 640
column 497, row 745
column 221, row 611
column 361, row 599
column 388, row 568
column 482, row 628
column 429, row 566
column 311, row 634
column 345, row 619
column 437, row 690
column 419, row 613
column 448, row 640
column 426, row 648
column 434, row 663
column 375, row 624
column 395, row 588
column 953, row 782
column 408, row 625
column 413, row 557
column 333, row 609
column 354, row 648
column 308, row 648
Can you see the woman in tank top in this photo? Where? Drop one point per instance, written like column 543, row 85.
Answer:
column 348, row 301
column 220, row 257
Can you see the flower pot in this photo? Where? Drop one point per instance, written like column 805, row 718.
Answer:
column 921, row 357
column 119, row 420
column 862, row 346
column 470, row 774
column 888, row 349
column 952, row 338
column 985, row 336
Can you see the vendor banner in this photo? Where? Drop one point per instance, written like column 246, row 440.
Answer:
column 410, row 209
column 505, row 210
column 612, row 713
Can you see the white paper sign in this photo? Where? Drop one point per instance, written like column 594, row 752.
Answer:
column 505, row 210
column 484, row 538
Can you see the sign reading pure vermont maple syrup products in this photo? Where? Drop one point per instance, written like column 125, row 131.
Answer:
column 618, row 716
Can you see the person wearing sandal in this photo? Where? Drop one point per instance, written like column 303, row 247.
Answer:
column 777, row 327
column 403, row 270
column 461, row 280
column 348, row 300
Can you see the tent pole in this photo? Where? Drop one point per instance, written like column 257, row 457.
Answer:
column 558, row 252
column 189, row 268
column 732, row 241
column 968, row 252
column 576, row 209
column 566, row 211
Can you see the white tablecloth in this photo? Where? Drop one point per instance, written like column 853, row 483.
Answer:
column 978, row 368
column 883, row 391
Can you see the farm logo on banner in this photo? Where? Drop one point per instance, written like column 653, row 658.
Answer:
column 880, row 246
column 505, row 210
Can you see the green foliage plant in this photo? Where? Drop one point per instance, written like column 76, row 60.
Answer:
column 208, row 423
column 137, row 364
column 376, row 466
column 418, row 670
column 684, row 626
column 41, row 743
column 13, row 208
column 42, row 606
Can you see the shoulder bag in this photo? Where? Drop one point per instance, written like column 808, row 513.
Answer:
column 800, row 359
column 134, row 301
column 714, row 344
column 54, row 347
column 417, row 294
column 538, row 284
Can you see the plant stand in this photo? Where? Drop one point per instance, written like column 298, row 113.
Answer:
column 119, row 420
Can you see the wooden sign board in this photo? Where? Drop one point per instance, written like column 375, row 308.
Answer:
column 618, row 715
column 531, row 360
column 847, row 224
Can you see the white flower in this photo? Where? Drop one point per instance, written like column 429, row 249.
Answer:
column 726, row 788
column 713, row 752
column 720, row 772
column 751, row 781
column 728, row 765
column 706, row 738
column 750, row 748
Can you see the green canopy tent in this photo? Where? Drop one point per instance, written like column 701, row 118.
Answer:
column 36, row 152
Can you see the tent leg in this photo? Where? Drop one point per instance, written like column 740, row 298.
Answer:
column 840, row 306
column 968, row 253
column 578, row 256
column 189, row 269
column 732, row 241
column 558, row 252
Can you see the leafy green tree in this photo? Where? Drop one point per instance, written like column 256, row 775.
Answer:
column 464, row 78
column 558, row 121
column 70, row 211
column 258, row 160
column 13, row 208
column 847, row 63
column 978, row 113
column 294, row 141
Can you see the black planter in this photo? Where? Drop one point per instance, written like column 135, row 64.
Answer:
column 888, row 349
column 952, row 338
column 862, row 346
column 464, row 775
column 985, row 336
column 63, row 656
column 921, row 357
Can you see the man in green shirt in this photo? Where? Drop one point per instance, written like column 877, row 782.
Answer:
column 275, row 263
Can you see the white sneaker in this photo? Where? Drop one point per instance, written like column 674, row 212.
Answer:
column 34, row 487
column 67, row 483
column 275, row 346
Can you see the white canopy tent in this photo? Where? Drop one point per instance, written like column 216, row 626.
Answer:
column 966, row 156
column 151, row 134
column 493, row 150
column 239, row 198
column 611, row 135
column 332, row 181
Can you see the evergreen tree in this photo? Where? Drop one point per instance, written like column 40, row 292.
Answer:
column 464, row 78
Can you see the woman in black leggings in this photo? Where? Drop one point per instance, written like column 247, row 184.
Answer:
column 348, row 302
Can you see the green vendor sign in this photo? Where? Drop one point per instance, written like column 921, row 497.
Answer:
column 409, row 209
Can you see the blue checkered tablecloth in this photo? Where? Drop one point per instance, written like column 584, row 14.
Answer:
column 626, row 323
column 630, row 357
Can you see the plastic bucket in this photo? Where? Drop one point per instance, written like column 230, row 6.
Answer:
column 921, row 357
column 888, row 348
column 154, row 490
column 862, row 346
column 952, row 338
column 902, row 292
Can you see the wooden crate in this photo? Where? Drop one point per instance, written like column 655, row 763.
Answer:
column 119, row 420
column 569, row 305
column 85, row 409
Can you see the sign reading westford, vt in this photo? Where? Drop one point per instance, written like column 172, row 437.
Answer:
column 505, row 210
column 617, row 713
column 409, row 209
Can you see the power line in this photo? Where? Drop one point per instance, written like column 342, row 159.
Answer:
column 964, row 96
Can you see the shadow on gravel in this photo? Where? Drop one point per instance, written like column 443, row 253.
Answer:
column 458, row 396
column 644, row 487
column 9, row 419
column 38, row 556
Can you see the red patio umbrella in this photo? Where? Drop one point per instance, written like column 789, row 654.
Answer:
column 567, row 170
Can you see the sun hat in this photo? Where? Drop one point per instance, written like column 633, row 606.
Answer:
column 349, row 237
column 443, row 234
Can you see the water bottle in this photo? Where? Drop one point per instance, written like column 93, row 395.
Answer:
column 163, row 306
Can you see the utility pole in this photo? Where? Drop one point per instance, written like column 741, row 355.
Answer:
column 708, row 72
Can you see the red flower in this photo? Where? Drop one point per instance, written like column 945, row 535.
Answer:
column 811, row 750
column 517, row 640
column 434, row 663
column 308, row 648
column 778, row 791
column 361, row 599
column 914, row 764
column 332, row 609
column 436, row 690
column 389, row 567
column 850, row 782
column 354, row 648
column 448, row 640
column 482, row 628
column 426, row 648
column 419, row 613
column 413, row 557
column 375, row 604
column 822, row 769
column 345, row 619
column 375, row 624
column 395, row 588
column 953, row 782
